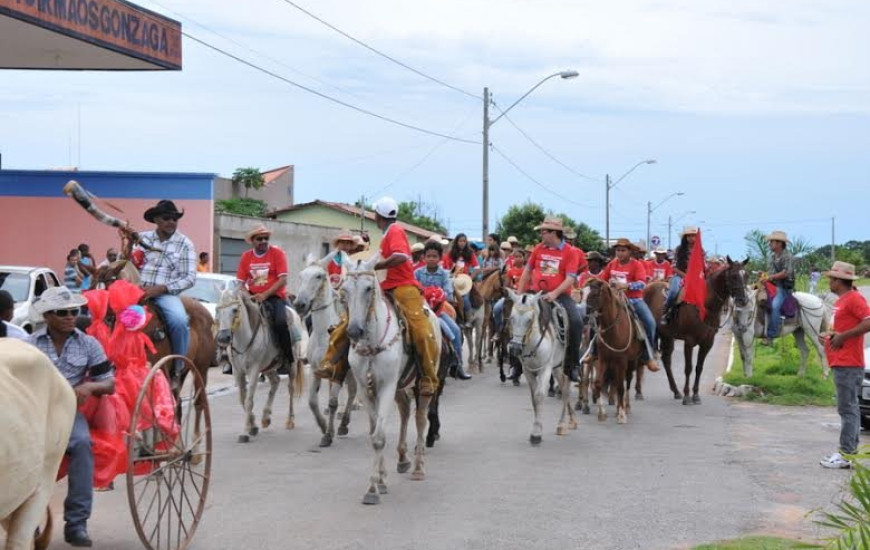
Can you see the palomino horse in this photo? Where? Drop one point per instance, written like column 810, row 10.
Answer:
column 619, row 347
column 244, row 329
column 473, row 331
column 534, row 342
column 384, row 370
column 686, row 325
column 316, row 298
column 748, row 324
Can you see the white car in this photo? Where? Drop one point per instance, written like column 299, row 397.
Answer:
column 25, row 284
column 208, row 288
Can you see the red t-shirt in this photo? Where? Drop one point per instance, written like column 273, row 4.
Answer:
column 631, row 272
column 584, row 278
column 261, row 272
column 396, row 241
column 513, row 275
column 551, row 266
column 334, row 272
column 582, row 264
column 659, row 271
column 461, row 265
column 851, row 308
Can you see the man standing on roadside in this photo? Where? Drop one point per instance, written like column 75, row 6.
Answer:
column 844, row 347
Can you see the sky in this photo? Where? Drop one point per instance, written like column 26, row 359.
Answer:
column 757, row 111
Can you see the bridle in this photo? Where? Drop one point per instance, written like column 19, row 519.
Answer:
column 371, row 310
column 237, row 322
column 320, row 294
column 521, row 309
column 622, row 307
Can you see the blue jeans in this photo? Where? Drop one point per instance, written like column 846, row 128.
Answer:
column 776, row 312
column 673, row 289
column 498, row 315
column 451, row 328
column 466, row 302
column 176, row 324
column 649, row 323
column 80, row 493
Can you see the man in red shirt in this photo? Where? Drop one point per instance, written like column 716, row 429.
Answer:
column 629, row 274
column 552, row 269
column 263, row 269
column 407, row 294
column 844, row 348
column 660, row 269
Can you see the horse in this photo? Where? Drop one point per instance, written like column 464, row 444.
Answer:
column 747, row 324
column 243, row 328
column 447, row 355
column 385, row 370
column 316, row 298
column 535, row 344
column 686, row 325
column 491, row 289
column 472, row 330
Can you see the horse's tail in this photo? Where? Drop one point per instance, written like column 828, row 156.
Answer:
column 299, row 380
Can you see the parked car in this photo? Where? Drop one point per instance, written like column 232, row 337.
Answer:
column 208, row 288
column 25, row 284
column 864, row 398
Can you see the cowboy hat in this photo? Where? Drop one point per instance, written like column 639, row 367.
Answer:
column 594, row 255
column 506, row 246
column 660, row 250
column 513, row 240
column 626, row 243
column 778, row 236
column 435, row 237
column 462, row 284
column 345, row 236
column 842, row 270
column 640, row 246
column 418, row 247
column 552, row 223
column 162, row 208
column 570, row 234
column 259, row 229
column 58, row 297
column 689, row 230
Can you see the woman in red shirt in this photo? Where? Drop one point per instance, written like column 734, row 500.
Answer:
column 461, row 257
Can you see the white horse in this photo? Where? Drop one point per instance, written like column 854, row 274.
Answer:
column 316, row 297
column 244, row 330
column 384, row 370
column 541, row 355
column 748, row 323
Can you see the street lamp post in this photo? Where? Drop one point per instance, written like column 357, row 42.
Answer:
column 607, row 187
column 487, row 123
column 650, row 209
column 671, row 223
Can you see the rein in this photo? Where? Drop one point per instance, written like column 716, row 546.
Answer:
column 237, row 322
column 369, row 351
column 600, row 336
column 528, row 334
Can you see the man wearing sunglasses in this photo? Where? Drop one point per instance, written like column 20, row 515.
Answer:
column 264, row 271
column 82, row 361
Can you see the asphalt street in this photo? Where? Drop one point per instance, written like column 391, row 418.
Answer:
column 672, row 477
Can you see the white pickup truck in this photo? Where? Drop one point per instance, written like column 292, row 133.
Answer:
column 25, row 284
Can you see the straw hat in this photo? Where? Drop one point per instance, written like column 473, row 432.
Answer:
column 417, row 247
column 570, row 234
column 660, row 250
column 462, row 284
column 438, row 239
column 552, row 223
column 842, row 270
column 506, row 246
column 689, row 230
column 345, row 236
column 626, row 243
column 59, row 297
column 259, row 229
column 778, row 236
column 513, row 240
column 640, row 247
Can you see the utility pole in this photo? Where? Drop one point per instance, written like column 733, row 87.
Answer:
column 670, row 230
column 648, row 216
column 362, row 214
column 833, row 246
column 606, row 211
column 486, row 124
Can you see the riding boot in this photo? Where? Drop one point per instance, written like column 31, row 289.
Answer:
column 227, row 368
column 573, row 372
column 461, row 374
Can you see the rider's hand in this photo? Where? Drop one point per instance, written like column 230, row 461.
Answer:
column 551, row 296
column 82, row 391
column 259, row 298
column 153, row 291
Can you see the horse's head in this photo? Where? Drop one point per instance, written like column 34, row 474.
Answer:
column 744, row 314
column 228, row 314
column 313, row 282
column 360, row 291
column 735, row 281
column 522, row 321
column 598, row 290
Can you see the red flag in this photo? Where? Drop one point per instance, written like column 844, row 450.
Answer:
column 696, row 282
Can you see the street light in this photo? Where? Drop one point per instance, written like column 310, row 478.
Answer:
column 672, row 221
column 487, row 123
column 608, row 186
column 650, row 209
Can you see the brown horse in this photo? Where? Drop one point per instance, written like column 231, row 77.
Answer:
column 686, row 325
column 491, row 288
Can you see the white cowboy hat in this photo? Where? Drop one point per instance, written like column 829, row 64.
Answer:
column 552, row 223
column 778, row 236
column 842, row 270
column 462, row 284
column 689, row 230
column 345, row 236
column 506, row 246
column 438, row 239
column 259, row 229
column 418, row 247
column 58, row 297
column 660, row 250
column 513, row 240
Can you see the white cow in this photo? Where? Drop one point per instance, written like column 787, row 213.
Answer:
column 39, row 407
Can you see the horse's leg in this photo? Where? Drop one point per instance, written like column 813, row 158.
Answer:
column 314, row 403
column 599, row 386
column 566, row 419
column 629, row 377
column 384, row 396
column 801, row 343
column 621, row 367
column 703, row 350
column 687, row 359
column 350, row 384
column 274, row 381
column 821, row 351
column 638, row 384
column 551, row 387
column 585, row 380
column 434, row 421
column 332, row 409
column 297, row 376
column 667, row 354
column 403, row 401
column 421, row 415
column 536, row 387
column 479, row 345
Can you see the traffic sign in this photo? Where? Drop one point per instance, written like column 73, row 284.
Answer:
column 655, row 240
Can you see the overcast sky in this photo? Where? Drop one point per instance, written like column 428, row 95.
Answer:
column 758, row 110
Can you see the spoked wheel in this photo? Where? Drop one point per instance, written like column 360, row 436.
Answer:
column 169, row 458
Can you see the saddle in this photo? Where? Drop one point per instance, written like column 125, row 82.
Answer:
column 552, row 313
column 411, row 371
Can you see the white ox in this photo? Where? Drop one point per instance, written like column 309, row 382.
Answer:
column 37, row 415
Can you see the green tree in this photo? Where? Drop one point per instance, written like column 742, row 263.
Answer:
column 243, row 207
column 520, row 221
column 757, row 249
column 250, row 178
column 421, row 215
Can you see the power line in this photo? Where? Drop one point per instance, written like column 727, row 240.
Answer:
column 324, row 96
column 378, row 52
column 538, row 183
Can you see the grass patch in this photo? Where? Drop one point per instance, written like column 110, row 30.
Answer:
column 776, row 375
column 754, row 543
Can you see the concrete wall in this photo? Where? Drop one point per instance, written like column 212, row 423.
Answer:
column 318, row 214
column 296, row 239
column 277, row 194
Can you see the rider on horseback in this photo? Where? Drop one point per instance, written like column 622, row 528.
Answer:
column 264, row 271
column 681, row 265
column 396, row 260
column 167, row 266
column 552, row 268
column 781, row 274
column 343, row 242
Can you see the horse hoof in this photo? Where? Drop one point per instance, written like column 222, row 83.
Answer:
column 678, row 395
column 503, row 378
column 535, row 439
column 622, row 420
column 602, row 417
column 244, row 438
column 611, row 402
column 551, row 393
column 372, row 498
column 382, row 488
column 573, row 424
column 418, row 476
column 254, row 431
column 403, row 467
column 561, row 430
column 342, row 430
column 578, row 407
column 430, row 442
column 586, row 409
column 639, row 397
column 687, row 400
column 266, row 422
column 696, row 399
column 326, row 440
column 516, row 381
column 290, row 424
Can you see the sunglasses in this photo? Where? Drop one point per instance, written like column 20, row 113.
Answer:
column 66, row 312
column 169, row 218
column 261, row 239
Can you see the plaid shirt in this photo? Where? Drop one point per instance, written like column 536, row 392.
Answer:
column 171, row 263
column 82, row 356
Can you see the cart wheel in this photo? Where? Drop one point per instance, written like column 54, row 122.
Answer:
column 169, row 459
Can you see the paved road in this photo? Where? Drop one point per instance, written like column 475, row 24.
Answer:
column 674, row 476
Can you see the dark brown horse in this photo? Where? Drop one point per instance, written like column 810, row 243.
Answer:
column 686, row 325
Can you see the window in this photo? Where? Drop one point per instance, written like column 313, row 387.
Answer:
column 41, row 285
column 324, row 249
